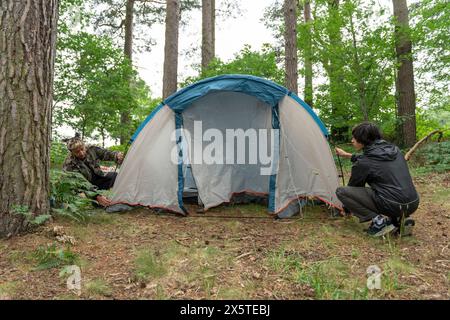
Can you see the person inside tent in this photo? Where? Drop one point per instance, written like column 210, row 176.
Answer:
column 391, row 197
column 85, row 159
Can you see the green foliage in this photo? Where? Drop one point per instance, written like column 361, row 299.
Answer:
column 98, row 287
column 52, row 256
column 434, row 157
column 94, row 84
column 94, row 81
column 67, row 193
column 149, row 265
column 29, row 217
column 261, row 64
column 354, row 61
column 58, row 153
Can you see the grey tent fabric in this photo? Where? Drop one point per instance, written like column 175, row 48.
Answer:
column 306, row 167
column 219, row 178
column 148, row 176
column 282, row 168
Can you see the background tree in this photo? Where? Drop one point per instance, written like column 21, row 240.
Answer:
column 406, row 97
column 290, row 46
column 128, row 51
column 171, row 48
column 27, row 47
column 94, row 84
column 263, row 64
column 307, row 49
column 431, row 37
column 208, row 30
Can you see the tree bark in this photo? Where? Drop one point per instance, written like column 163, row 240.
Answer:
column 406, row 98
column 128, row 51
column 171, row 48
column 208, row 21
column 213, row 27
column 27, row 55
column 308, row 55
column 290, row 43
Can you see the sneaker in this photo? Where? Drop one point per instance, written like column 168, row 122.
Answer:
column 406, row 229
column 380, row 226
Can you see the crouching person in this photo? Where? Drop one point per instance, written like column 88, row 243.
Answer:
column 391, row 197
column 85, row 159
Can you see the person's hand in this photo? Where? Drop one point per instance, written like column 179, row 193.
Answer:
column 103, row 201
column 120, row 158
column 343, row 153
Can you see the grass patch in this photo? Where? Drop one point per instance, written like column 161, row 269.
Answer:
column 52, row 256
column 394, row 269
column 149, row 265
column 9, row 289
column 328, row 279
column 100, row 217
column 204, row 270
column 231, row 293
column 21, row 260
column 441, row 195
column 98, row 287
column 325, row 278
column 67, row 297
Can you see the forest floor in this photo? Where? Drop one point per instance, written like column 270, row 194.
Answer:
column 234, row 252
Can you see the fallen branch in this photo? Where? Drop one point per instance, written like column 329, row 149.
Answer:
column 180, row 243
column 420, row 142
column 243, row 255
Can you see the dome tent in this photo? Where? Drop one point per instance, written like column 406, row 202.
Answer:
column 232, row 135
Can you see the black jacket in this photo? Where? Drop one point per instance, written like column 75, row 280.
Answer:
column 383, row 167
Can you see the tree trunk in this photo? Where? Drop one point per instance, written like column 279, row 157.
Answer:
column 128, row 51
column 27, row 54
column 290, row 42
column 207, row 32
column 213, row 27
column 171, row 48
column 308, row 55
column 406, row 97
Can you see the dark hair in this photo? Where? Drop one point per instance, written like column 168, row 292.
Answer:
column 366, row 133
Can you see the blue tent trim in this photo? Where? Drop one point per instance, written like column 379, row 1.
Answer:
column 273, row 177
column 179, row 137
column 263, row 89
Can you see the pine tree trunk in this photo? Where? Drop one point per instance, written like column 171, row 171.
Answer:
column 128, row 51
column 27, row 54
column 308, row 56
column 406, row 98
column 290, row 42
column 171, row 48
column 207, row 32
column 213, row 27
